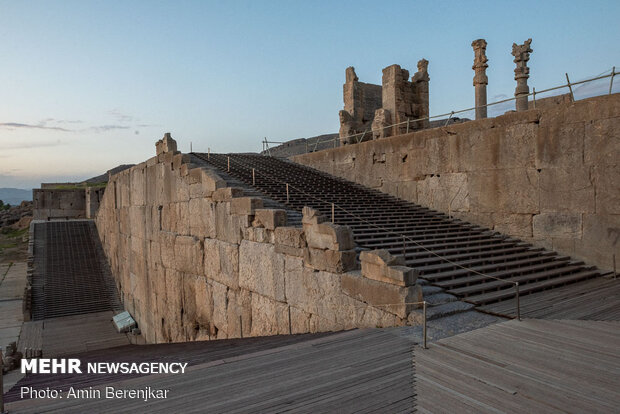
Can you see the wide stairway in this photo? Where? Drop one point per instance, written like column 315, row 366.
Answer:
column 475, row 264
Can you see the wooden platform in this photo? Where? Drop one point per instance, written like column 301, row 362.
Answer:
column 355, row 371
column 532, row 366
column 595, row 299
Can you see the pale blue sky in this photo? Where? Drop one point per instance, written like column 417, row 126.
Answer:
column 88, row 85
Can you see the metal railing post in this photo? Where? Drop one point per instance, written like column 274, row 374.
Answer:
column 611, row 82
column 287, row 195
column 333, row 214
column 518, row 302
column 253, row 177
column 534, row 97
column 424, row 326
column 407, row 125
column 572, row 97
column 229, row 163
column 449, row 118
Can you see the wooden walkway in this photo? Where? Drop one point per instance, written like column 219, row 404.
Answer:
column 595, row 299
column 357, row 371
column 532, row 366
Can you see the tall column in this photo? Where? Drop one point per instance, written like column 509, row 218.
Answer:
column 522, row 72
column 480, row 77
column 420, row 80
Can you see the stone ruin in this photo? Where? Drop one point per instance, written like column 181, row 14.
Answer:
column 11, row 359
column 370, row 111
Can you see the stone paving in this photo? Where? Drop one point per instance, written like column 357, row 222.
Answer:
column 12, row 283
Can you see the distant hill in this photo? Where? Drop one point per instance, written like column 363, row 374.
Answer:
column 14, row 196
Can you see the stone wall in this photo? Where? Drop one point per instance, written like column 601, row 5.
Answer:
column 550, row 176
column 55, row 203
column 195, row 259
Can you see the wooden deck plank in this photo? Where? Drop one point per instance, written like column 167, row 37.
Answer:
column 533, row 362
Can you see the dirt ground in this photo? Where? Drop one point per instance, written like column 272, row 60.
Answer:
column 13, row 245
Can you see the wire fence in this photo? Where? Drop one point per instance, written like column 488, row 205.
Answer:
column 410, row 123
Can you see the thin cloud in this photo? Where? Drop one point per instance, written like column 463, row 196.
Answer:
column 18, row 125
column 36, row 144
column 120, row 117
column 106, row 128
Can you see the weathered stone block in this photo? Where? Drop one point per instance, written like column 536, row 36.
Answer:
column 329, row 236
column 269, row 218
column 202, row 217
column 261, row 270
column 188, row 254
column 312, row 216
column 547, row 225
column 259, row 234
column 389, row 297
column 607, row 182
column 226, row 193
column 269, row 317
column 330, row 260
column 601, row 144
column 245, row 205
column 567, row 189
column 290, row 236
column 380, row 265
column 221, row 262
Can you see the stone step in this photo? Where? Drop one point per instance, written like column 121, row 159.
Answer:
column 439, row 311
column 439, row 298
column 428, row 289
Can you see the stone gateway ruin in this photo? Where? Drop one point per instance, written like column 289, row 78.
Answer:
column 371, row 111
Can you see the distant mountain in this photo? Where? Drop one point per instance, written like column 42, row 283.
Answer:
column 14, row 196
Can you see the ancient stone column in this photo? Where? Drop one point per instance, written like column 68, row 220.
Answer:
column 420, row 80
column 480, row 77
column 522, row 72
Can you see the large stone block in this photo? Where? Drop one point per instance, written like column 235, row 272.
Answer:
column 312, row 216
column 607, row 182
column 600, row 240
column 202, row 217
column 269, row 317
column 221, row 262
column 559, row 143
column 227, row 193
column 567, row 189
column 445, row 192
column 601, row 144
column 562, row 225
column 329, row 236
column 330, row 260
column 504, row 191
column 290, row 236
column 188, row 254
column 270, row 218
column 245, row 205
column 261, row 270
column 516, row 225
column 380, row 265
column 394, row 299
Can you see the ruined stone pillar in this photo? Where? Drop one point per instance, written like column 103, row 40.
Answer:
column 421, row 80
column 480, row 77
column 522, row 72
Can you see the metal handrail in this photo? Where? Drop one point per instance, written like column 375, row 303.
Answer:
column 569, row 85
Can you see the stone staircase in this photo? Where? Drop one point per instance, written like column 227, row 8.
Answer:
column 454, row 258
